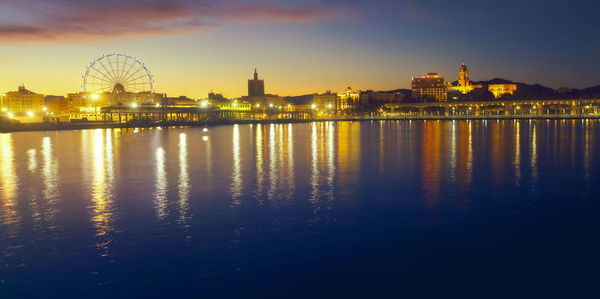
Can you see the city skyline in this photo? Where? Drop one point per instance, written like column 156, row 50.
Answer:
column 299, row 47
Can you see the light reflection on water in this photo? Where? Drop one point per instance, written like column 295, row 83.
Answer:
column 236, row 179
column 184, row 181
column 9, row 184
column 32, row 164
column 102, row 202
column 160, row 195
column 259, row 186
column 49, row 173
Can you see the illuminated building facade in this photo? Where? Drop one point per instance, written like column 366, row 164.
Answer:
column 501, row 89
column 256, row 87
column 327, row 100
column 265, row 101
column 23, row 100
column 463, row 75
column 464, row 84
column 429, row 87
column 348, row 100
column 233, row 106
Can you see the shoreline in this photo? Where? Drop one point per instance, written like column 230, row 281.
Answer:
column 29, row 127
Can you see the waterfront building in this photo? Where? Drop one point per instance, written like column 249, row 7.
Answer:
column 327, row 100
column 265, row 101
column 429, row 87
column 257, row 96
column 76, row 102
column 324, row 101
column 23, row 101
column 256, row 87
column 56, row 104
column 350, row 99
column 370, row 98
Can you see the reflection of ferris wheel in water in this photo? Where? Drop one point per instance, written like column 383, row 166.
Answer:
column 119, row 75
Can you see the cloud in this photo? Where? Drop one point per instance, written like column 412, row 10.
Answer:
column 73, row 20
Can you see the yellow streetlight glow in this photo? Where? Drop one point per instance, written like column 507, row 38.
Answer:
column 29, row 113
column 329, row 106
column 257, row 105
column 95, row 96
column 313, row 106
column 10, row 114
column 134, row 105
column 45, row 109
column 3, row 109
column 157, row 105
column 271, row 105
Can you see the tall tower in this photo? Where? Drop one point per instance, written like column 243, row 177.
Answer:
column 256, row 87
column 463, row 76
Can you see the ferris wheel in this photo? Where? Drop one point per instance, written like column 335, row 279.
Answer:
column 120, row 75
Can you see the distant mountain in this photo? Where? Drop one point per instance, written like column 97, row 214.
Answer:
column 306, row 99
column 540, row 92
column 493, row 81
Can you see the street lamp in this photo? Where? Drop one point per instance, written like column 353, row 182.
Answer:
column 95, row 97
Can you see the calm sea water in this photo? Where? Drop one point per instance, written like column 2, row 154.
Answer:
column 359, row 209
